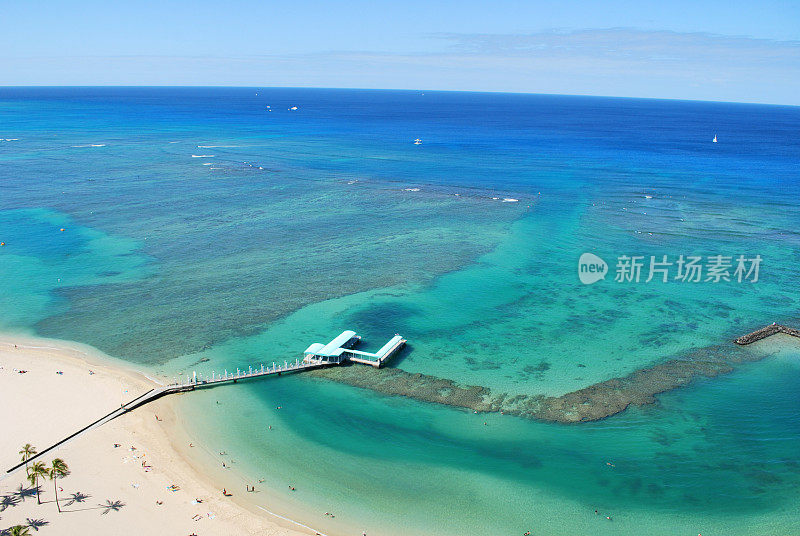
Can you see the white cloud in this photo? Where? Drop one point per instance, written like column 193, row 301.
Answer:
column 620, row 62
column 628, row 44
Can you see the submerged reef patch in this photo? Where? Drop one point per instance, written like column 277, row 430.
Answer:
column 591, row 403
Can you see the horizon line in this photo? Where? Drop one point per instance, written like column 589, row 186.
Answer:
column 500, row 92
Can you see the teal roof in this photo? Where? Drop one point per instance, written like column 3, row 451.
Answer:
column 333, row 348
column 314, row 348
column 386, row 347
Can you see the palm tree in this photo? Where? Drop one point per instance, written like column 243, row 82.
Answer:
column 19, row 530
column 38, row 470
column 27, row 451
column 58, row 469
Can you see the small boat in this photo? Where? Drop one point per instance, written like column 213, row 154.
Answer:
column 293, row 108
column 715, row 139
column 418, row 142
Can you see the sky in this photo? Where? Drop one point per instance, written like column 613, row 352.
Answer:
column 701, row 50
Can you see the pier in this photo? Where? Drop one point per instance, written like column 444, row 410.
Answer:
column 339, row 351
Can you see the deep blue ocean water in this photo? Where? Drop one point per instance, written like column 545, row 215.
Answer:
column 287, row 226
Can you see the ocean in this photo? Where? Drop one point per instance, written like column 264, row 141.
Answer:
column 214, row 228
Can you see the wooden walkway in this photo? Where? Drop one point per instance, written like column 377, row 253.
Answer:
column 198, row 382
column 191, row 384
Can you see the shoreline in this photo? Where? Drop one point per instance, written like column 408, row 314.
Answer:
column 148, row 450
column 166, row 440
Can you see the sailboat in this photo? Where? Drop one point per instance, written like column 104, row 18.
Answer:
column 418, row 142
column 715, row 139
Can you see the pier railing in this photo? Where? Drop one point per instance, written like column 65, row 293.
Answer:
column 198, row 380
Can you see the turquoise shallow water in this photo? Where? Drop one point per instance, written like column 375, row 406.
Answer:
column 514, row 474
column 306, row 223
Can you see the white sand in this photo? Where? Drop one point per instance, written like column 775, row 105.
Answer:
column 42, row 407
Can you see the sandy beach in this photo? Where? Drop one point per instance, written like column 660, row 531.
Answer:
column 124, row 489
